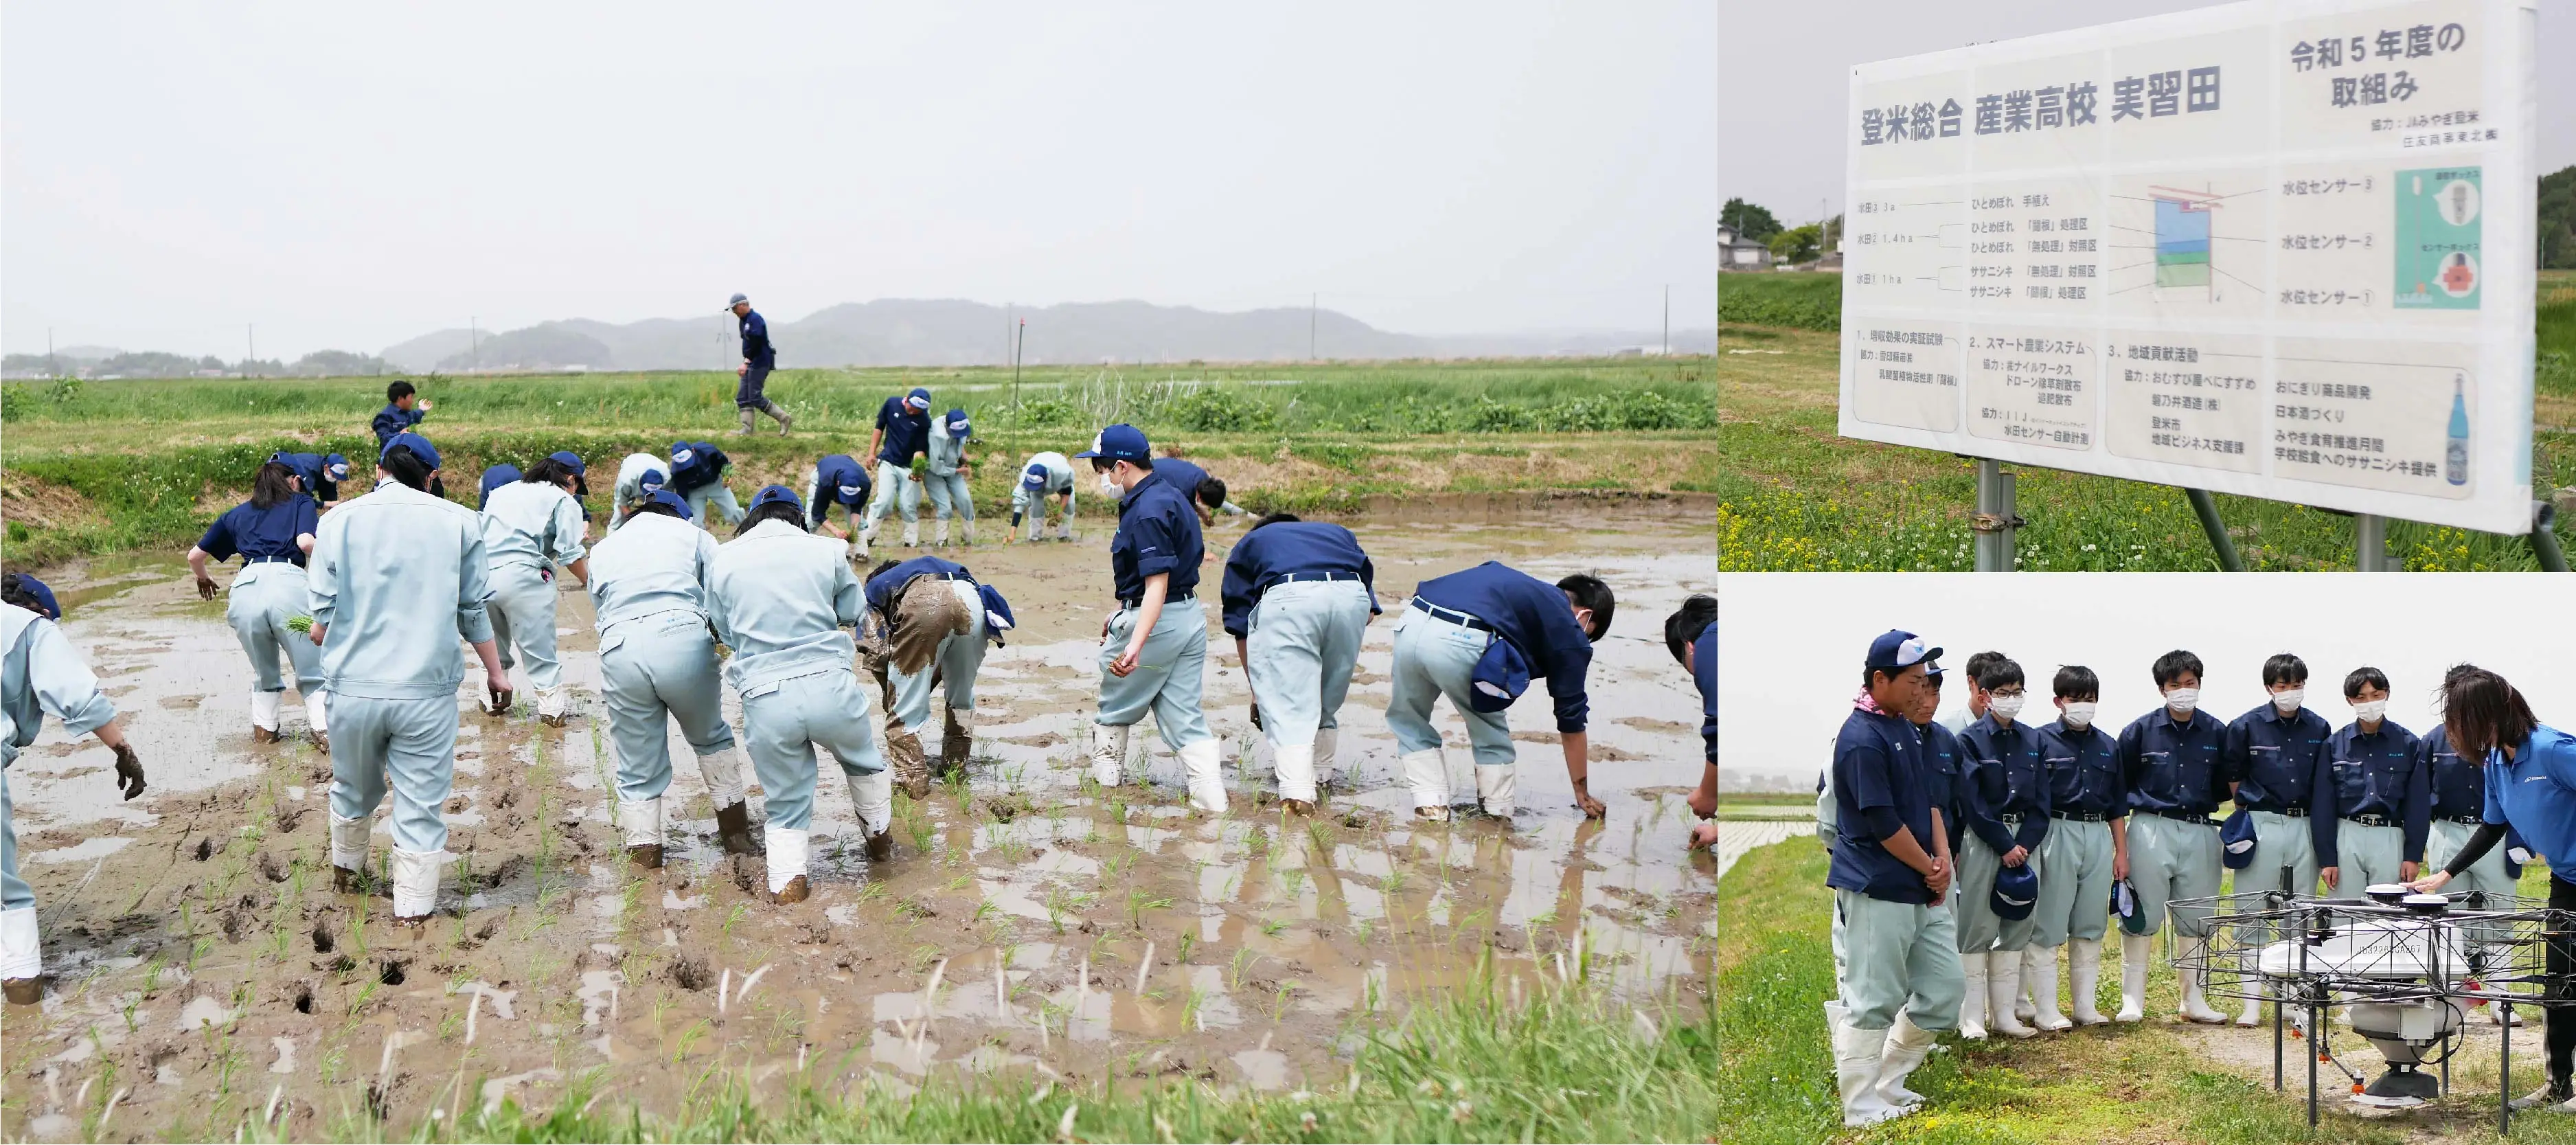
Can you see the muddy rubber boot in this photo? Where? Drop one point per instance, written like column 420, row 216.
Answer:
column 1294, row 765
column 1205, row 763
column 787, row 865
column 872, row 798
column 903, row 755
column 956, row 744
column 745, row 431
column 912, row 534
column 263, row 717
column 22, row 957
column 1428, row 774
column 939, row 537
column 1494, row 786
column 554, row 706
column 1108, row 754
column 415, row 886
column 733, row 829
column 641, row 823
column 317, row 708
column 969, row 529
column 786, row 421
column 349, row 853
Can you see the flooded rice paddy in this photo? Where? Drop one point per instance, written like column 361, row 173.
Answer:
column 205, row 974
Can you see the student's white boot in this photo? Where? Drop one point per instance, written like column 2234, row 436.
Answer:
column 912, row 534
column 1327, row 769
column 317, row 712
column 786, row 864
column 2039, row 980
column 22, row 956
column 640, row 823
column 2084, row 979
column 1972, row 1004
column 2195, row 1003
column 349, row 838
column 1428, row 773
column 1857, row 1055
column 2003, row 985
column 1295, row 766
column 1494, row 786
column 1906, row 1046
column 968, row 528
column 940, row 538
column 554, row 705
column 872, row 798
column 263, row 716
column 2253, row 1013
column 2135, row 949
column 1064, row 530
column 2023, row 1007
column 1204, row 762
column 415, row 884
column 1108, row 754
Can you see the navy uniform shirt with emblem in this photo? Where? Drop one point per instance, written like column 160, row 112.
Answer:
column 2379, row 773
column 2458, row 785
column 1270, row 552
column 2083, row 771
column 881, row 587
column 2278, row 764
column 1945, row 780
column 755, row 340
column 2005, row 776
column 1184, row 476
column 1533, row 615
column 1878, row 765
column 832, row 474
column 257, row 534
column 394, row 419
column 907, row 432
column 2176, row 767
column 1157, row 533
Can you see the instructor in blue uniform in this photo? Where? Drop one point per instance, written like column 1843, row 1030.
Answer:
column 1153, row 650
column 758, row 358
column 1298, row 597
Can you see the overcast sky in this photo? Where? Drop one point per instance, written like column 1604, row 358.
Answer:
column 1786, row 78
column 352, row 175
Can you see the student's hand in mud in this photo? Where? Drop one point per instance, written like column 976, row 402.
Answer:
column 1703, row 836
column 499, row 687
column 1592, row 808
column 206, row 588
column 129, row 771
column 1703, row 804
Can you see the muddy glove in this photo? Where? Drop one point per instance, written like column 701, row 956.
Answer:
column 206, row 588
column 129, row 771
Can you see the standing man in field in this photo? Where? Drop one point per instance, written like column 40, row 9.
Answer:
column 2272, row 755
column 1301, row 594
column 758, row 358
column 2085, row 806
column 2174, row 770
column 404, row 409
column 949, row 470
column 1153, row 650
column 903, row 432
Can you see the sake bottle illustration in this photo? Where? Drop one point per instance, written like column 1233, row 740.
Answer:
column 2455, row 465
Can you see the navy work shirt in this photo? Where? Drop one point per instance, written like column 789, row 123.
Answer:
column 1945, row 780
column 2005, row 776
column 830, row 475
column 2083, row 771
column 1534, row 616
column 1704, row 673
column 1273, row 551
column 2177, row 767
column 755, row 340
column 494, row 478
column 2273, row 758
column 1878, row 763
column 311, row 469
column 1183, row 475
column 257, row 534
column 695, row 465
column 394, row 419
column 2458, row 785
column 906, row 432
column 882, row 587
column 2379, row 773
column 1157, row 533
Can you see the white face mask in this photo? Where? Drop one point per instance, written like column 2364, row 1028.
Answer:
column 1108, row 485
column 2005, row 707
column 2289, row 701
column 2183, row 700
column 2371, row 710
column 2079, row 714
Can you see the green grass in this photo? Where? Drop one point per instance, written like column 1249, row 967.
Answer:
column 2120, row 1083
column 1795, row 497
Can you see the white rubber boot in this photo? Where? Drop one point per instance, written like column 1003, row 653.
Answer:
column 349, row 842
column 786, row 856
column 1857, row 1054
column 722, row 770
column 263, row 710
column 1295, row 764
column 554, row 705
column 1494, row 786
column 317, row 713
column 872, row 797
column 912, row 534
column 969, row 529
column 1108, row 754
column 416, row 882
column 2023, row 1008
column 1906, row 1046
column 2084, row 980
column 640, row 822
column 1327, row 768
column 1428, row 773
column 1972, row 1005
column 2003, row 986
column 2039, row 980
column 2195, row 1003
column 1205, row 763
column 2252, row 1015
column 940, row 538
column 22, row 952
column 1064, row 530
column 2134, row 950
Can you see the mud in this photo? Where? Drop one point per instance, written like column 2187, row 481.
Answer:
column 204, row 974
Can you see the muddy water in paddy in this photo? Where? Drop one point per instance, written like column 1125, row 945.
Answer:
column 204, row 972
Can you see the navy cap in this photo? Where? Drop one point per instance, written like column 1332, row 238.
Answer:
column 2016, row 891
column 1120, row 442
column 2236, row 840
column 2124, row 905
column 1897, row 648
column 674, row 500
column 419, row 446
column 776, row 494
column 653, row 479
column 958, row 426
column 570, row 459
column 336, row 467
column 1500, row 676
column 918, row 399
column 738, row 299
column 1035, row 478
column 44, row 596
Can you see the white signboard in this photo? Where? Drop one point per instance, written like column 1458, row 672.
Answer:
column 2281, row 248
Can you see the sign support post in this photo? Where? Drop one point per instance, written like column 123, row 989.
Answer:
column 2206, row 508
column 1995, row 519
column 2370, row 543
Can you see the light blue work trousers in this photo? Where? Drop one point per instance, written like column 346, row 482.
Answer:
column 653, row 669
column 783, row 721
column 895, row 489
column 1303, row 640
column 714, row 495
column 949, row 496
column 263, row 597
column 522, row 608
column 1899, row 957
column 407, row 746
column 960, row 656
column 1168, row 675
column 2075, row 892
column 1435, row 658
column 14, row 891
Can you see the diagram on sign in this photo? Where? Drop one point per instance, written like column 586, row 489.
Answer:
column 2185, row 245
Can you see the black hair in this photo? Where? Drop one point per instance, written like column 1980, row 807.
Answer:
column 15, row 592
column 270, row 488
column 1212, row 492
column 2483, row 713
column 2284, row 668
column 1686, row 623
column 408, row 468
column 1932, row 679
column 878, row 571
column 2170, row 667
column 549, row 471
column 398, row 391
column 1999, row 672
column 2364, row 675
column 2075, row 682
column 643, row 505
column 762, row 514
column 1588, row 592
column 1977, row 664
column 1274, row 519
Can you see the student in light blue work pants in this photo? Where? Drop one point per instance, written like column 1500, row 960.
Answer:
column 1435, row 658
column 895, row 489
column 15, row 894
column 1302, row 641
column 412, row 744
column 654, row 669
column 1167, row 682
column 522, row 608
column 717, row 497
column 949, row 496
column 263, row 597
column 959, row 657
column 783, row 721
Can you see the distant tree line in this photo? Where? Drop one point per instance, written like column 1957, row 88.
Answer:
column 2558, row 219
column 155, row 364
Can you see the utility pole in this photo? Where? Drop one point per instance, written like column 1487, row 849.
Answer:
column 51, row 365
column 1022, row 344
column 251, row 334
column 1311, row 303
column 1668, row 319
